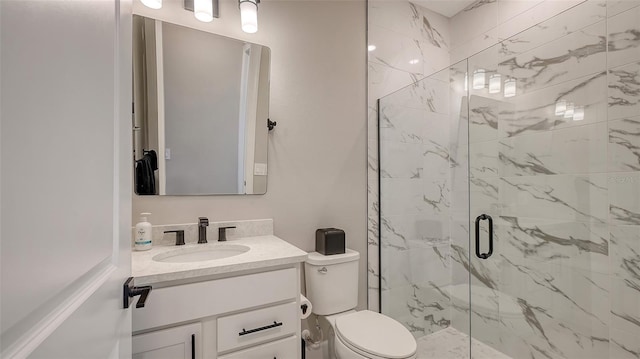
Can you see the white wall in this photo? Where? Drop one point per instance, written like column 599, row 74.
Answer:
column 317, row 153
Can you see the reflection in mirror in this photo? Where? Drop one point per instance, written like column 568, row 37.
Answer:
column 201, row 105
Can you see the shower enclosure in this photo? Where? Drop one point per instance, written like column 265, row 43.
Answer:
column 510, row 195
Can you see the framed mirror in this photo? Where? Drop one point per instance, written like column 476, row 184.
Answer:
column 201, row 106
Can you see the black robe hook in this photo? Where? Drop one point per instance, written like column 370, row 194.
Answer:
column 271, row 124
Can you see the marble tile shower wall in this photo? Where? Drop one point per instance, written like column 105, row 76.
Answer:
column 565, row 279
column 410, row 41
column 564, row 192
column 415, row 205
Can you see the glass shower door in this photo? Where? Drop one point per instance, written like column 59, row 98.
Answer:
column 424, row 210
column 553, row 189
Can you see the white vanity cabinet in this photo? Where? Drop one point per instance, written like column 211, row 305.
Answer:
column 180, row 342
column 245, row 316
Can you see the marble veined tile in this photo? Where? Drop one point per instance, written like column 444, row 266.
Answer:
column 508, row 9
column 624, row 38
column 624, row 145
column 401, row 124
column 411, row 20
column 615, row 7
column 484, row 159
column 578, row 54
column 400, row 160
column 580, row 149
column 436, row 197
column 428, row 309
column 624, row 198
column 451, row 343
column 428, row 94
column 484, row 195
column 401, row 196
column 402, row 232
column 576, row 18
column 541, row 110
column 483, row 118
column 395, row 269
column 397, row 51
column 625, row 287
column 536, row 15
column 580, row 245
column 477, row 18
column 624, row 343
column 436, row 159
column 564, row 311
column 562, row 197
column 624, row 91
column 384, row 80
column 431, row 264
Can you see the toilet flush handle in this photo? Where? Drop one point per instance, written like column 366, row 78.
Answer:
column 323, row 270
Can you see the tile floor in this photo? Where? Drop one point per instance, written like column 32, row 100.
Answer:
column 452, row 344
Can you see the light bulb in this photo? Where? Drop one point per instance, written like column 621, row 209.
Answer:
column 478, row 79
column 413, row 61
column 203, row 10
column 561, row 107
column 249, row 16
column 510, row 87
column 569, row 112
column 154, row 4
column 371, row 47
column 495, row 82
column 578, row 113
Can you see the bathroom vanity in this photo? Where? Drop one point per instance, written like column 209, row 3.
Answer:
column 245, row 305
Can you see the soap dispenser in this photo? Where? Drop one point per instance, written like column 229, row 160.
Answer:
column 143, row 233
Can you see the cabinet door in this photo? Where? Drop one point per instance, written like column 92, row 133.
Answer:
column 182, row 342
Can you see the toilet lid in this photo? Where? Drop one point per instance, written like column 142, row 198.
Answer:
column 376, row 334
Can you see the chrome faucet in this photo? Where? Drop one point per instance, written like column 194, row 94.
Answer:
column 203, row 223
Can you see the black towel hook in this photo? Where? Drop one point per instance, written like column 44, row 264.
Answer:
column 271, row 124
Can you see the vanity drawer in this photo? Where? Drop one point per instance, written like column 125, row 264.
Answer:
column 281, row 349
column 186, row 302
column 256, row 326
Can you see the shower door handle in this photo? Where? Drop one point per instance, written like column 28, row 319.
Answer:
column 478, row 219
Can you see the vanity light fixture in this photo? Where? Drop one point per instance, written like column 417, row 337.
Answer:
column 578, row 113
column 495, row 82
column 249, row 15
column 510, row 87
column 413, row 61
column 203, row 10
column 561, row 107
column 154, row 4
column 570, row 110
column 478, row 79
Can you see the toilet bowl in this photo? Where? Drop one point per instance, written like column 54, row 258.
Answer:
column 371, row 335
column 332, row 288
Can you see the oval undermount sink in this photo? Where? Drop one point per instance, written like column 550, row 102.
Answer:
column 200, row 254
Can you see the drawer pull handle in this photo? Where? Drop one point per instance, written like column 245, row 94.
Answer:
column 274, row 325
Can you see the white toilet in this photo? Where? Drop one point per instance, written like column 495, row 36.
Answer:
column 332, row 289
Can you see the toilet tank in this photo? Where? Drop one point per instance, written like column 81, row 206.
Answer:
column 332, row 282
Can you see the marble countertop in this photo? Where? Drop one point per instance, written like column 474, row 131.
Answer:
column 265, row 251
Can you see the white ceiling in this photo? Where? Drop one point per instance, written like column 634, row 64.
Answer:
column 447, row 8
